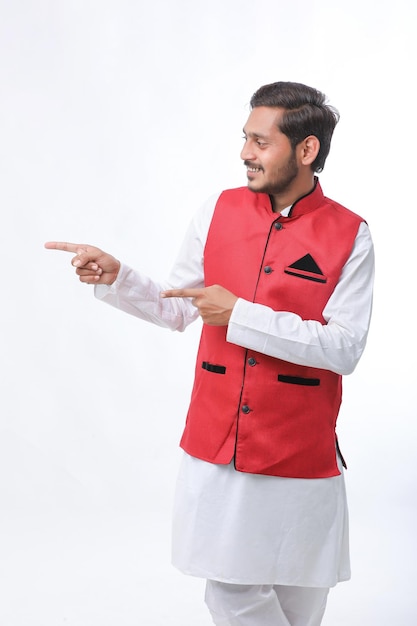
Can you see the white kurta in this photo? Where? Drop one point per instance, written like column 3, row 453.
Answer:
column 245, row 528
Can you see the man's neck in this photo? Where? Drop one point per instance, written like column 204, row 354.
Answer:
column 292, row 194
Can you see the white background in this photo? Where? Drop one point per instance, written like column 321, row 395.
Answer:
column 117, row 119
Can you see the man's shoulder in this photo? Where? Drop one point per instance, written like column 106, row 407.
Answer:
column 243, row 194
column 340, row 208
column 236, row 191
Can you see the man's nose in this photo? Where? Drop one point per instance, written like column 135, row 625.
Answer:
column 246, row 153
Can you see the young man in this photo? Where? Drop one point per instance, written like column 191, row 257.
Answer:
column 282, row 279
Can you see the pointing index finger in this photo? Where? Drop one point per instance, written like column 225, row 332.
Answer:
column 180, row 293
column 64, row 245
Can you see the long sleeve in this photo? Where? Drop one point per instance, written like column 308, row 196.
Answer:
column 335, row 346
column 139, row 295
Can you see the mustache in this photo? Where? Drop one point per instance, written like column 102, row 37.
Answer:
column 250, row 164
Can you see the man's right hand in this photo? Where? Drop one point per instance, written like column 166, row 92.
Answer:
column 93, row 266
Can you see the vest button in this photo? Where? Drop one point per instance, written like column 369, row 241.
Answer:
column 277, row 225
column 245, row 409
column 267, row 269
column 252, row 361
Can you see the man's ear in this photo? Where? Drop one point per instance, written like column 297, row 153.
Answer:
column 309, row 149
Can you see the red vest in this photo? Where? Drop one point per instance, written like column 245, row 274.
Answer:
column 272, row 416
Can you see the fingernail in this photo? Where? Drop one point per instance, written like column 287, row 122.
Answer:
column 76, row 263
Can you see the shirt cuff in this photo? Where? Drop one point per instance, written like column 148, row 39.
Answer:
column 101, row 291
column 241, row 320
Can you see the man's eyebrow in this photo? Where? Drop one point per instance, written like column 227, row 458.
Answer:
column 253, row 134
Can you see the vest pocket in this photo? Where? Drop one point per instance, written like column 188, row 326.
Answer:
column 216, row 369
column 298, row 380
column 307, row 268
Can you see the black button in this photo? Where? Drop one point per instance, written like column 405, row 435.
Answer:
column 267, row 269
column 245, row 409
column 252, row 361
column 277, row 225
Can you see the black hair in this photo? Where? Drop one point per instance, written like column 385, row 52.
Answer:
column 306, row 112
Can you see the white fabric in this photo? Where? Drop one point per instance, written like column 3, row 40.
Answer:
column 302, row 536
column 251, row 529
column 265, row 605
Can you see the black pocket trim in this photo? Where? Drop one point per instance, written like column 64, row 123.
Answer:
column 216, row 369
column 313, row 277
column 298, row 380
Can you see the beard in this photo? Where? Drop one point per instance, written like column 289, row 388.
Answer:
column 285, row 176
column 283, row 179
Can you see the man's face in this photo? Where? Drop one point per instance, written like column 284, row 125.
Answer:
column 267, row 154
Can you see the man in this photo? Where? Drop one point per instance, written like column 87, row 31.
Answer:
column 282, row 279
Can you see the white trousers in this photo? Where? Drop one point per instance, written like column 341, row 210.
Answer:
column 265, row 605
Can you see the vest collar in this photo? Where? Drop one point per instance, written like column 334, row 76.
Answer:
column 309, row 202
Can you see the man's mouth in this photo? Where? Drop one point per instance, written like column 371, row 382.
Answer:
column 252, row 168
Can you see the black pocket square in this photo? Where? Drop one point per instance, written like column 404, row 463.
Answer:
column 307, row 268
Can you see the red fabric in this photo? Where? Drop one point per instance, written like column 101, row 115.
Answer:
column 257, row 411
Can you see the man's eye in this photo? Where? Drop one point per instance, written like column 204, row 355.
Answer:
column 261, row 144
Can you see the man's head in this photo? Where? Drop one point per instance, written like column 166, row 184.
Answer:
column 305, row 113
